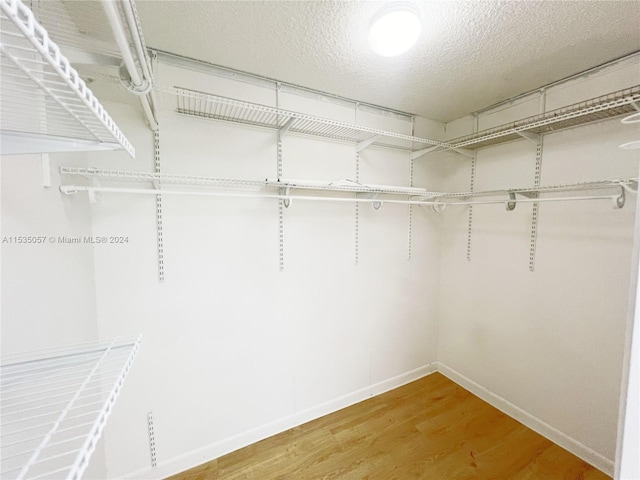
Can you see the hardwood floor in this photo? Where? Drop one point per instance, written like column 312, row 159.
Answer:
column 429, row 429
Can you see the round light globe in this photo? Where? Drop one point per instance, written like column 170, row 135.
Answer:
column 394, row 30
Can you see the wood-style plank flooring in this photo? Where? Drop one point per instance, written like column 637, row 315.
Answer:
column 429, row 429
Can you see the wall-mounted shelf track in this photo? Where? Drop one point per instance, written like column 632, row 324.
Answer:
column 599, row 108
column 45, row 105
column 204, row 105
column 55, row 404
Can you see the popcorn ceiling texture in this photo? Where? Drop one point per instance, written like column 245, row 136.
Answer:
column 470, row 54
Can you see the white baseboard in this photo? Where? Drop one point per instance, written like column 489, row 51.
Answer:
column 534, row 423
column 228, row 445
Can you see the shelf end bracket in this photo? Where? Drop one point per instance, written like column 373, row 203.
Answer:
column 532, row 137
column 365, row 143
column 464, row 151
column 285, row 128
column 424, row 151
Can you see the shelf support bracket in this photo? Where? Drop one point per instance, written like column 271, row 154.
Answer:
column 46, row 169
column 619, row 201
column 464, row 151
column 419, row 153
column 365, row 143
column 285, row 128
column 532, row 137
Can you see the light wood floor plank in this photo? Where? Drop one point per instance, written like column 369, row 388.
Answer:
column 430, row 429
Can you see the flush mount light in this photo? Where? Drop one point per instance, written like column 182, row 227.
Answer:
column 395, row 29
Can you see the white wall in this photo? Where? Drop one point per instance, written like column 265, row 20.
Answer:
column 48, row 289
column 234, row 349
column 548, row 343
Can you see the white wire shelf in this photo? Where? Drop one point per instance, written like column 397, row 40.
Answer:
column 166, row 180
column 204, row 105
column 43, row 97
column 564, row 187
column 596, row 109
column 170, row 184
column 55, row 404
column 593, row 190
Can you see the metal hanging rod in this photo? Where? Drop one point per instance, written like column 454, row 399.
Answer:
column 437, row 202
column 630, row 185
column 340, row 185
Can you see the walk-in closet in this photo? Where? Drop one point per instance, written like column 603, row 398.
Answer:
column 253, row 240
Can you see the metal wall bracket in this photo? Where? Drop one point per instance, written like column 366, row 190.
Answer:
column 410, row 209
column 511, row 205
column 529, row 194
column 285, row 128
column 94, row 196
column 465, row 151
column 424, row 151
column 619, row 201
column 286, row 202
column 279, row 167
column 45, row 164
column 536, row 182
column 365, row 143
column 377, row 205
column 472, row 182
column 532, row 137
column 159, row 221
column 152, row 440
column 438, row 207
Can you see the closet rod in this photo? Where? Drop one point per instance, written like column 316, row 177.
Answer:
column 73, row 189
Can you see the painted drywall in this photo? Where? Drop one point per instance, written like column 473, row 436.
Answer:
column 48, row 289
column 627, row 465
column 233, row 348
column 548, row 342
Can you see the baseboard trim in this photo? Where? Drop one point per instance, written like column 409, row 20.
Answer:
column 228, row 445
column 534, row 423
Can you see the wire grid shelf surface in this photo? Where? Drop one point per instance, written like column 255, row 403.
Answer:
column 599, row 108
column 422, row 194
column 200, row 104
column 54, row 405
column 350, row 186
column 201, row 181
column 560, row 188
column 160, row 178
column 41, row 93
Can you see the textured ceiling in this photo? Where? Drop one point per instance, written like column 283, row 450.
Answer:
column 470, row 54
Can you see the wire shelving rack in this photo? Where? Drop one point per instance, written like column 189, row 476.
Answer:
column 54, row 406
column 172, row 184
column 596, row 109
column 46, row 106
column 205, row 105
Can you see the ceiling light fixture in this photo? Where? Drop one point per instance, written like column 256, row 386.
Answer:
column 395, row 29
